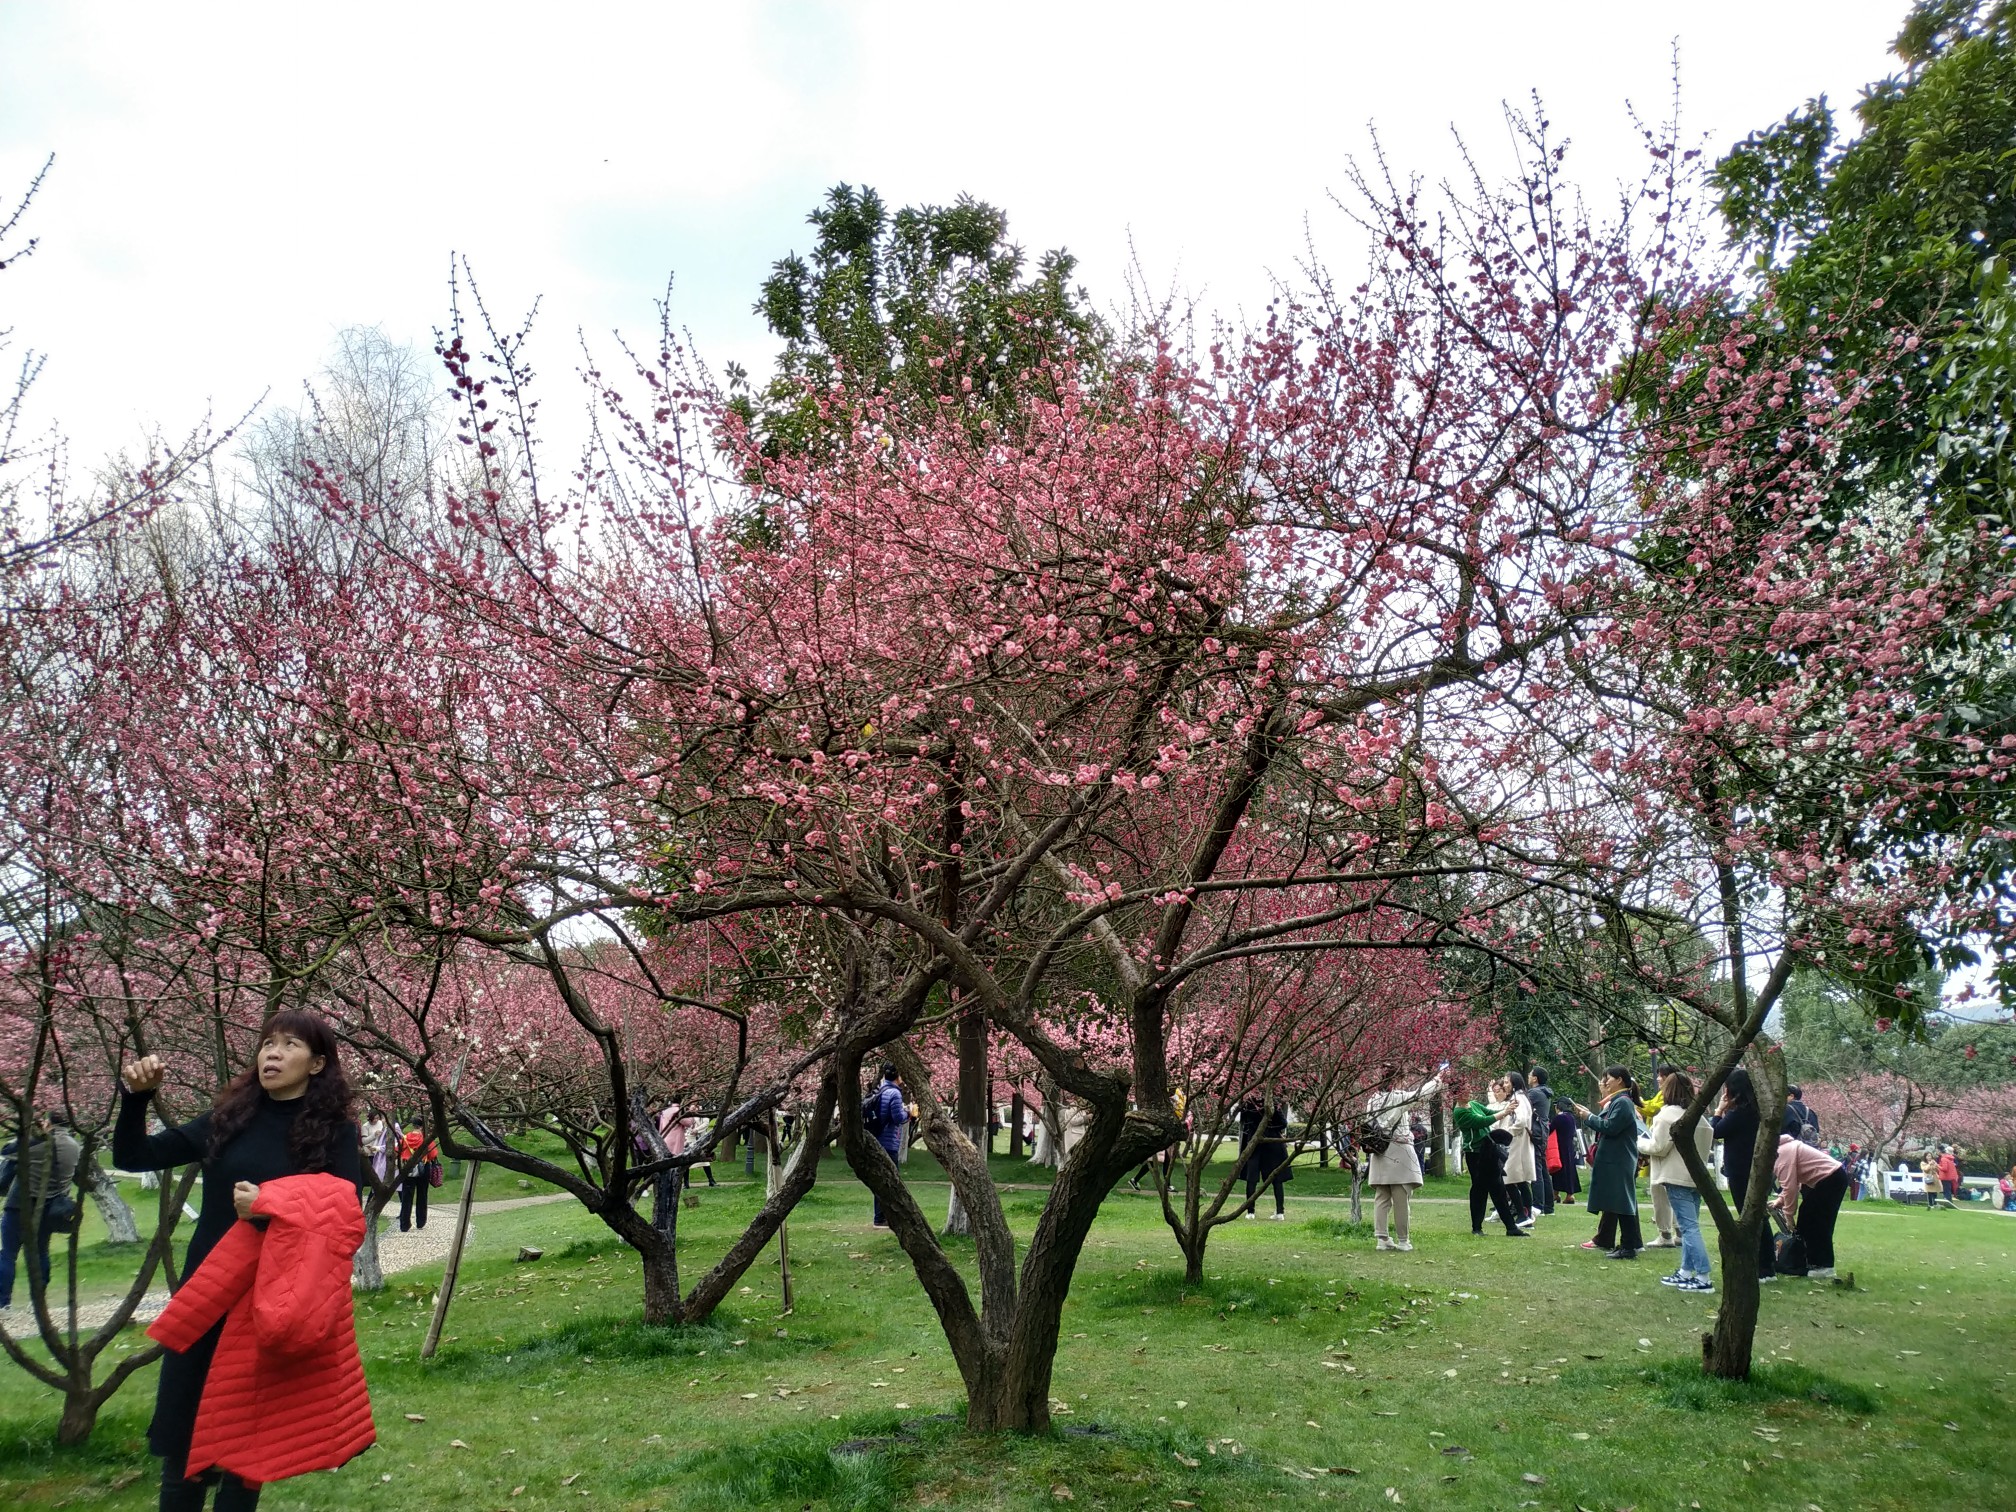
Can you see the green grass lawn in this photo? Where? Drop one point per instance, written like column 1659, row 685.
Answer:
column 1308, row 1369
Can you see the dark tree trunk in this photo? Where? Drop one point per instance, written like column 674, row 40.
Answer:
column 68, row 1359
column 1006, row 1348
column 1438, row 1154
column 1017, row 1111
column 972, row 1104
column 796, row 1181
column 663, row 1302
column 1728, row 1348
column 80, row 1416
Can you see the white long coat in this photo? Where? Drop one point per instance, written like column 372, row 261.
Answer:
column 1399, row 1164
column 1516, row 1118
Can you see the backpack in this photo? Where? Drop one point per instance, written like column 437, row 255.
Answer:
column 1791, row 1255
column 871, row 1112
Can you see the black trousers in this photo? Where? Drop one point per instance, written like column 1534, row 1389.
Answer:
column 413, row 1202
column 1487, row 1187
column 1543, row 1184
column 1607, row 1237
column 1819, row 1206
column 180, row 1494
column 1253, row 1189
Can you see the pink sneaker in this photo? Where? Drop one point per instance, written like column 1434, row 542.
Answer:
column 1588, row 1244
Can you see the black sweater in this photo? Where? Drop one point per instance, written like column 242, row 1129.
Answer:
column 259, row 1153
column 1737, row 1129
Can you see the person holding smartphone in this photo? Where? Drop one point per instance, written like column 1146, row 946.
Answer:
column 1613, row 1168
column 287, row 1114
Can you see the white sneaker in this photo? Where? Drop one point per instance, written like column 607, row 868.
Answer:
column 1249, row 1217
column 1280, row 1218
column 1384, row 1243
column 1821, row 1273
column 1402, row 1244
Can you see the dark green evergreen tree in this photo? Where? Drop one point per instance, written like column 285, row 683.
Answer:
column 931, row 310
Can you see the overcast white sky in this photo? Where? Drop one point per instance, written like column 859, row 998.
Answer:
column 235, row 183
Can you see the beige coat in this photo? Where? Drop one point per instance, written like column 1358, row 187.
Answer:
column 1667, row 1167
column 1398, row 1164
column 1516, row 1118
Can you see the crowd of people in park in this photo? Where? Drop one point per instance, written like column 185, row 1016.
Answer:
column 1526, row 1149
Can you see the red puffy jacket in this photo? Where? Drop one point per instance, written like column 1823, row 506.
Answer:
column 285, row 1393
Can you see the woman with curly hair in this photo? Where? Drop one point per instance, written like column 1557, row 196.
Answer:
column 287, row 1114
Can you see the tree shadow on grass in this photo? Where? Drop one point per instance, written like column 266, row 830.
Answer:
column 1232, row 1294
column 36, row 1471
column 1683, row 1384
column 877, row 1461
column 1338, row 1228
column 583, row 1343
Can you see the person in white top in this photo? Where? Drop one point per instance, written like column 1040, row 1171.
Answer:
column 1514, row 1112
column 1396, row 1170
column 1670, row 1173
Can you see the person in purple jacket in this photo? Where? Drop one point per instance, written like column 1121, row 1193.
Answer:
column 884, row 1116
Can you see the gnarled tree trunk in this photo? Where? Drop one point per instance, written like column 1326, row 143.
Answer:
column 1006, row 1348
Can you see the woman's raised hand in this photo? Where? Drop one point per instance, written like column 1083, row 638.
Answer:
column 144, row 1074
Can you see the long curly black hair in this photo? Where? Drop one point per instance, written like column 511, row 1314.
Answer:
column 325, row 1106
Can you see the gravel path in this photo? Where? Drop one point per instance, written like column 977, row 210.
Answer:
column 396, row 1252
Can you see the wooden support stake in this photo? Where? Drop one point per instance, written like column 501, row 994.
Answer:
column 447, row 1292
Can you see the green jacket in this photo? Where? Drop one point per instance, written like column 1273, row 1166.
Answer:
column 1613, row 1169
column 1473, row 1123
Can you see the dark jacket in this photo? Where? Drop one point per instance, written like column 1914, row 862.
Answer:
column 1737, row 1129
column 1543, row 1109
column 1567, row 1180
column 18, row 1176
column 1269, row 1158
column 1613, row 1167
column 893, row 1114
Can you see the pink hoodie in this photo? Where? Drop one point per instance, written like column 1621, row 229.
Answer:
column 1800, row 1165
